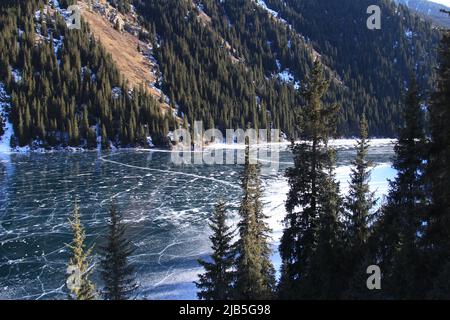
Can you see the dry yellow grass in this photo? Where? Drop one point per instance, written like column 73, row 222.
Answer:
column 123, row 47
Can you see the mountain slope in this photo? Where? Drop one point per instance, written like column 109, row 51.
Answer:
column 132, row 53
column 374, row 65
column 65, row 89
column 279, row 40
column 228, row 63
column 428, row 9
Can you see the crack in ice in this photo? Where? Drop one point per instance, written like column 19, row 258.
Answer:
column 172, row 172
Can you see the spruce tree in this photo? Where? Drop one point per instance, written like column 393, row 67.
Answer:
column 358, row 219
column 326, row 280
column 48, row 102
column 80, row 266
column 116, row 270
column 217, row 281
column 255, row 274
column 437, row 233
column 300, row 237
column 400, row 223
column 438, row 169
column 360, row 199
column 440, row 289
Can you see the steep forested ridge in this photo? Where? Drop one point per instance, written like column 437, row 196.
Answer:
column 208, row 80
column 370, row 68
column 375, row 65
column 64, row 87
column 228, row 63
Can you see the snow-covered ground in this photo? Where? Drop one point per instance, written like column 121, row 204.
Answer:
column 273, row 13
column 17, row 75
column 335, row 143
column 287, row 77
column 8, row 129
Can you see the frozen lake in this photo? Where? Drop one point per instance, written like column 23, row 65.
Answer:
column 166, row 208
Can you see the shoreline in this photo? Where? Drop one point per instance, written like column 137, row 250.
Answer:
column 337, row 143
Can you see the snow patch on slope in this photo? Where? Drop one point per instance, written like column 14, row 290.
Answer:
column 273, row 13
column 5, row 104
column 287, row 77
column 263, row 5
column 409, row 34
column 56, row 4
column 17, row 75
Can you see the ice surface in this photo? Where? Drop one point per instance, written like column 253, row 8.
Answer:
column 165, row 206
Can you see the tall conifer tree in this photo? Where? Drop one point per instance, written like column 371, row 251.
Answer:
column 396, row 232
column 438, row 169
column 437, row 234
column 117, row 272
column 326, row 280
column 360, row 199
column 217, row 281
column 303, row 205
column 255, row 274
column 358, row 219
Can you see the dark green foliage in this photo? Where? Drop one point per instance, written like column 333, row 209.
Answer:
column 438, row 169
column 65, row 95
column 441, row 284
column 358, row 204
column 203, row 76
column 437, row 231
column 116, row 270
column 255, row 275
column 401, row 218
column 325, row 280
column 411, row 238
column 222, row 72
column 121, row 5
column 312, row 229
column 360, row 200
column 217, row 281
column 373, row 65
column 357, row 281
